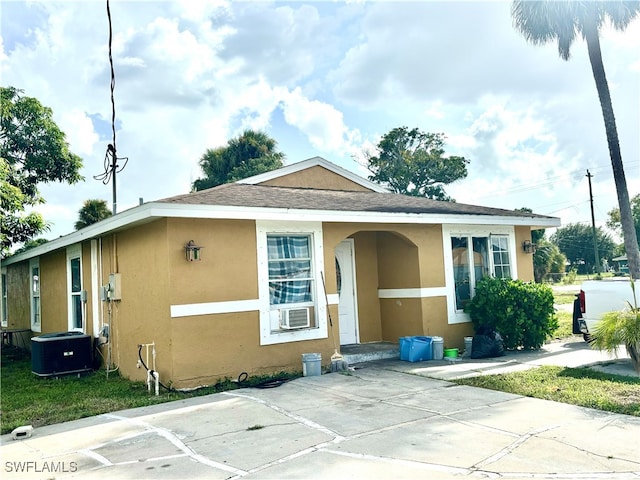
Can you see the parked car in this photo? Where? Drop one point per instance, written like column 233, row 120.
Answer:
column 596, row 297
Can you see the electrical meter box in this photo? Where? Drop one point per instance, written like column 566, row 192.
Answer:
column 59, row 354
column 114, row 286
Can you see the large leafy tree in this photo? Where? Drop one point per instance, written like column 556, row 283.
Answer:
column 251, row 153
column 29, row 244
column 615, row 222
column 33, row 150
column 543, row 21
column 412, row 162
column 575, row 241
column 92, row 211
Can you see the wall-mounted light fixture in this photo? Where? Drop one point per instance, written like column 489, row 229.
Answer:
column 192, row 251
column 528, row 247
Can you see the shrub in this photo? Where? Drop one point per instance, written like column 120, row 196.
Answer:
column 570, row 277
column 521, row 312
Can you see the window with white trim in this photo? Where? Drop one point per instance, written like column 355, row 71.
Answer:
column 290, row 270
column 74, row 288
column 34, row 281
column 474, row 257
column 291, row 282
column 3, row 299
column 290, row 266
column 501, row 260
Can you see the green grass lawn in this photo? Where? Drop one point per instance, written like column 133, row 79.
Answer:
column 565, row 325
column 561, row 299
column 26, row 399
column 576, row 386
column 578, row 279
column 564, row 298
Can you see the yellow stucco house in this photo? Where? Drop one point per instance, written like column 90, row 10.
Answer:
column 245, row 277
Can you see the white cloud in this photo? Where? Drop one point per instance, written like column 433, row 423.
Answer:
column 437, row 50
column 79, row 131
column 512, row 152
column 322, row 123
column 274, row 41
column 435, row 110
column 330, row 78
column 202, row 9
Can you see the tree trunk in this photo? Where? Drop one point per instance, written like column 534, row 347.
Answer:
column 626, row 218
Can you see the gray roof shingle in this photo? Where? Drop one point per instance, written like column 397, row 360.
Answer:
column 255, row 196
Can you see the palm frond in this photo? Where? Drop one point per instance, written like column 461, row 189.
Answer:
column 543, row 21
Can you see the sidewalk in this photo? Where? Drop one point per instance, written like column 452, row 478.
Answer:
column 573, row 352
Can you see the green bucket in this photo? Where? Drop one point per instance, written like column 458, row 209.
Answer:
column 451, row 353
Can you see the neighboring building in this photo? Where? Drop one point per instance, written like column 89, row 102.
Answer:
column 255, row 300
column 622, row 264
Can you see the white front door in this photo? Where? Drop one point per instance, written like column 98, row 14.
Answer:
column 345, row 271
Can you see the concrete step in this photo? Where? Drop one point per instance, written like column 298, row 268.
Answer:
column 369, row 352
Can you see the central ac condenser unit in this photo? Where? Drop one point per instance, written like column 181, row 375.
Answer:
column 62, row 353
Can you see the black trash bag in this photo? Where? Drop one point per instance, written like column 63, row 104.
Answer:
column 487, row 343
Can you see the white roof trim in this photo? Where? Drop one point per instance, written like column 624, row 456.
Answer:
column 151, row 211
column 141, row 214
column 313, row 162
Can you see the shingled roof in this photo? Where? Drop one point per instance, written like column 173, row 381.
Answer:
column 256, row 196
column 249, row 198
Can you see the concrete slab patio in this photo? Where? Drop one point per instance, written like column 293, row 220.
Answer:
column 384, row 419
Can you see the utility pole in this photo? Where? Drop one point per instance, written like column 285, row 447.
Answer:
column 111, row 167
column 112, row 146
column 593, row 227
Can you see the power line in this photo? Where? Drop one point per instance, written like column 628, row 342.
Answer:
column 574, row 174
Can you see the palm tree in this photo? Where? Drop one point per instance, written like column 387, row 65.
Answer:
column 249, row 154
column 92, row 211
column 543, row 21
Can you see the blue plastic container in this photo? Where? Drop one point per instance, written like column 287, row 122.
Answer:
column 405, row 347
column 419, row 349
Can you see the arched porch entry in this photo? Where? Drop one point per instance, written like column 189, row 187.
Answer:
column 370, row 265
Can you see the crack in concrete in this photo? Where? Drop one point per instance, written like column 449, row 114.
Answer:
column 477, row 470
column 167, row 435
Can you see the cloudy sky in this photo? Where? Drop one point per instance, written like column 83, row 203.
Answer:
column 324, row 78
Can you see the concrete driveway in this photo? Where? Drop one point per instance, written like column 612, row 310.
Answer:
column 386, row 419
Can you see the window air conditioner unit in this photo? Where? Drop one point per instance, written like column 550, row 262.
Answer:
column 294, row 318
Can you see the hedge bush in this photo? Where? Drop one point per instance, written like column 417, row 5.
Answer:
column 522, row 313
